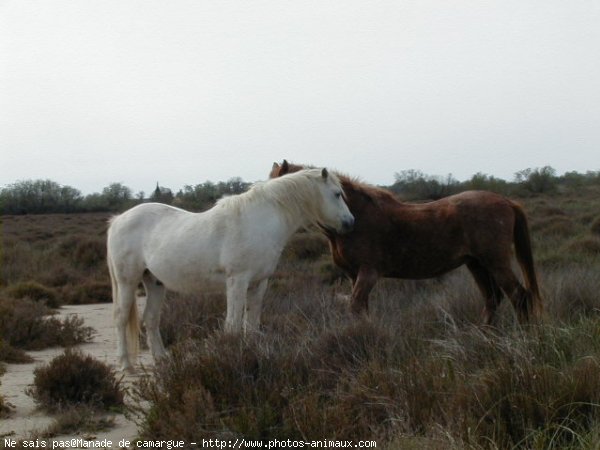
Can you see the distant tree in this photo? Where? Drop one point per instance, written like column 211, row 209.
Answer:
column 39, row 196
column 95, row 202
column 483, row 182
column 162, row 195
column 414, row 184
column 538, row 180
column 576, row 179
column 199, row 197
column 233, row 186
column 573, row 179
column 114, row 197
column 203, row 196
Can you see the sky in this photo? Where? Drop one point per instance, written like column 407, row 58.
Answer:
column 180, row 92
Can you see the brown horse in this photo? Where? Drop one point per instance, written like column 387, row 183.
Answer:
column 415, row 241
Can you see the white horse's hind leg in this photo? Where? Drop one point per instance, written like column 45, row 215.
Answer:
column 125, row 307
column 254, row 306
column 237, row 289
column 155, row 294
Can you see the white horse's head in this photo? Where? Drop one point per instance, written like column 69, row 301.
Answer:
column 333, row 213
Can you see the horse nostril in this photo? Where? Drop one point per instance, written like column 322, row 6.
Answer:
column 348, row 224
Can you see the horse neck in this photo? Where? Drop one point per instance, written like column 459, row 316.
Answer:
column 294, row 211
column 271, row 223
column 362, row 198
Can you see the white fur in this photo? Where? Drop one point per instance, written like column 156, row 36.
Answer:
column 234, row 246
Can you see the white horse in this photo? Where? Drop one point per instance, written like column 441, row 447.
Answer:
column 235, row 245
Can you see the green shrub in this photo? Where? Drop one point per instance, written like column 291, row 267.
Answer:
column 89, row 252
column 13, row 355
column 554, row 226
column 306, row 246
column 73, row 378
column 78, row 419
column 88, row 291
column 587, row 246
column 4, row 408
column 190, row 316
column 595, row 226
column 24, row 324
column 34, row 291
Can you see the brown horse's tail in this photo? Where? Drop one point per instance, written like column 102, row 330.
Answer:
column 524, row 255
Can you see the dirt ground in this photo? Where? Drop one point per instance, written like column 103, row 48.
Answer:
column 26, row 421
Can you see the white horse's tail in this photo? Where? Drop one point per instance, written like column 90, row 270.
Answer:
column 132, row 336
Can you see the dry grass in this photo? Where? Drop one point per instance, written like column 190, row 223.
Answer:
column 419, row 373
column 58, row 251
column 318, row 372
column 77, row 420
column 595, row 226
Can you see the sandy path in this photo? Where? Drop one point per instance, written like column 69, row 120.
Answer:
column 25, row 420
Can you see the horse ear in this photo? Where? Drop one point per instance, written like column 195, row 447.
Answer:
column 275, row 166
column 324, row 173
column 285, row 167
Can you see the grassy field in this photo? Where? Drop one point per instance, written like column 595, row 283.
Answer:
column 418, row 373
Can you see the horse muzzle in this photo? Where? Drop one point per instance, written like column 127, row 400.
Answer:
column 347, row 225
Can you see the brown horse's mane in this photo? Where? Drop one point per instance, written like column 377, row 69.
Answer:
column 354, row 185
column 378, row 195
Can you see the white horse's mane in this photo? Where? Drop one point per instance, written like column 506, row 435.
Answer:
column 295, row 194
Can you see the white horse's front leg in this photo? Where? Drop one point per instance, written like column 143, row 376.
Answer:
column 254, row 306
column 237, row 289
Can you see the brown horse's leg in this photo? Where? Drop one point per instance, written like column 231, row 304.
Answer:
column 520, row 298
column 489, row 288
column 366, row 279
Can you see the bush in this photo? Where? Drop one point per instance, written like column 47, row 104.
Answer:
column 595, row 227
column 572, row 294
column 34, row 291
column 88, row 291
column 76, row 420
column 73, row 378
column 306, row 246
column 264, row 387
column 25, row 325
column 536, row 391
column 90, row 252
column 190, row 316
column 589, row 246
column 554, row 225
column 4, row 408
column 12, row 355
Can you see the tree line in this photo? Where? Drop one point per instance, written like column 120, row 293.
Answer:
column 415, row 185
column 47, row 196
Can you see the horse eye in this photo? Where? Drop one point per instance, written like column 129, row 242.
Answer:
column 338, row 195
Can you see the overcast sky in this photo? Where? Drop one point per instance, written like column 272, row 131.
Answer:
column 93, row 92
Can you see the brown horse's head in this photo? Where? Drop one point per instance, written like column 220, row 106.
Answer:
column 279, row 170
